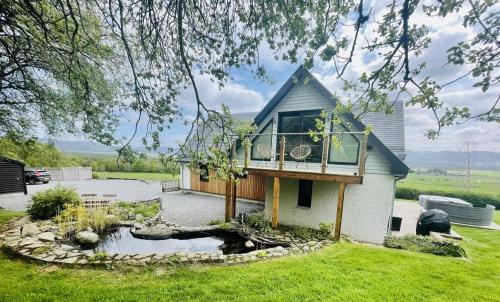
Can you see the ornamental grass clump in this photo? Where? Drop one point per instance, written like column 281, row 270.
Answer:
column 425, row 244
column 75, row 219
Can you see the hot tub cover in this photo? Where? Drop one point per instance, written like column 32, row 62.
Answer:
column 444, row 200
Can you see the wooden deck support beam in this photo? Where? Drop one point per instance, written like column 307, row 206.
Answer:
column 282, row 152
column 276, row 202
column 340, row 208
column 228, row 209
column 233, row 200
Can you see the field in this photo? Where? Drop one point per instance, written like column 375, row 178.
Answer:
column 487, row 182
column 136, row 175
column 342, row 272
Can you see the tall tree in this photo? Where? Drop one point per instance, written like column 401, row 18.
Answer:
column 70, row 54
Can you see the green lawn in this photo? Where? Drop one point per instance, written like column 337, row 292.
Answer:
column 487, row 182
column 342, row 272
column 136, row 175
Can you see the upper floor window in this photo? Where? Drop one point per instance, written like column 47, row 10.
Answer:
column 262, row 144
column 348, row 151
column 296, row 123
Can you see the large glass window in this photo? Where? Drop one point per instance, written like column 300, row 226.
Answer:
column 348, row 151
column 262, row 144
column 300, row 147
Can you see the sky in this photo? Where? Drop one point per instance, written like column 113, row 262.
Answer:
column 243, row 93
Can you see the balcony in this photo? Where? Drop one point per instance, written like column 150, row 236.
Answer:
column 336, row 156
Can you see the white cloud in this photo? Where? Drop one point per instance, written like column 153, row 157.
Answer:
column 238, row 97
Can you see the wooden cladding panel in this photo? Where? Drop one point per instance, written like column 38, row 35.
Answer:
column 253, row 187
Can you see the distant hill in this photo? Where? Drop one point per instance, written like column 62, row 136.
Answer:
column 483, row 160
column 87, row 148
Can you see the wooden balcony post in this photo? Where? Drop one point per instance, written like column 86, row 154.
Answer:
column 326, row 148
column 362, row 155
column 282, row 152
column 276, row 202
column 340, row 208
column 228, row 209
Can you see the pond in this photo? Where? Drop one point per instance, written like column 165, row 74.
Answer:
column 122, row 242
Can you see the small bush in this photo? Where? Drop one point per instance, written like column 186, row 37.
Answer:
column 476, row 199
column 95, row 175
column 259, row 222
column 77, row 218
column 308, row 233
column 425, row 244
column 144, row 209
column 46, row 204
column 215, row 222
column 100, row 256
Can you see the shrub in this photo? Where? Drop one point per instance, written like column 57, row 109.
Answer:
column 476, row 199
column 141, row 208
column 99, row 256
column 215, row 222
column 77, row 218
column 95, row 175
column 425, row 244
column 259, row 222
column 308, row 233
column 46, row 204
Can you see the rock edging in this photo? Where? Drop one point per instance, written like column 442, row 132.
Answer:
column 36, row 249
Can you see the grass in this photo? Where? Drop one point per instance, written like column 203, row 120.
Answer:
column 136, row 175
column 486, row 182
column 342, row 272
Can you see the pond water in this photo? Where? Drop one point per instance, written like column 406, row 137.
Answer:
column 122, row 242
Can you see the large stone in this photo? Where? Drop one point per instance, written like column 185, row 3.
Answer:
column 46, row 237
column 86, row 238
column 159, row 231
column 249, row 244
column 30, row 229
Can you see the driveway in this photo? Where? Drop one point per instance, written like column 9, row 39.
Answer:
column 190, row 209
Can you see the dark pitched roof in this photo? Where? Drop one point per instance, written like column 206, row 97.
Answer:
column 12, row 161
column 398, row 167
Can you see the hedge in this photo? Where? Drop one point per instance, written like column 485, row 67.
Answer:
column 476, row 199
column 425, row 244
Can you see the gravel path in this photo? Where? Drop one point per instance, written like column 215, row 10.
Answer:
column 189, row 209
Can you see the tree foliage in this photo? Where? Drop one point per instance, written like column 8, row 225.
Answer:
column 76, row 64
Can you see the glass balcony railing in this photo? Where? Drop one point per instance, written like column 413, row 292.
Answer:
column 291, row 151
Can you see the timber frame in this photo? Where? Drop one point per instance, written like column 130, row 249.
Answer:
column 280, row 172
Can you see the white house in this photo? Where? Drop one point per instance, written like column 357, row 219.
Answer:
column 299, row 180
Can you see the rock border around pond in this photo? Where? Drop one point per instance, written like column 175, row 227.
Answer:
column 39, row 246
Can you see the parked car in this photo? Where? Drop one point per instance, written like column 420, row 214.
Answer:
column 34, row 176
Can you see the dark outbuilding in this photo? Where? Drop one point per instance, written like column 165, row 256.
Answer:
column 12, row 176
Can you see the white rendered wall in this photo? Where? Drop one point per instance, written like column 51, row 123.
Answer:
column 367, row 207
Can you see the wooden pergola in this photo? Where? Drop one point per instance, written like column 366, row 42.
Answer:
column 280, row 172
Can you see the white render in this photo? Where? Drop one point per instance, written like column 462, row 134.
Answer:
column 367, row 207
column 185, row 181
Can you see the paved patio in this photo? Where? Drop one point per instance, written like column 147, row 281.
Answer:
column 189, row 209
